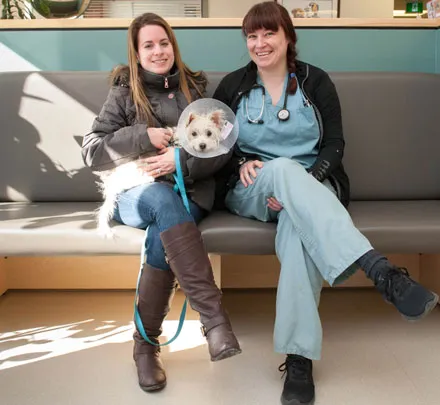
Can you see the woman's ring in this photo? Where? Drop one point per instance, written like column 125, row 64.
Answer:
column 158, row 171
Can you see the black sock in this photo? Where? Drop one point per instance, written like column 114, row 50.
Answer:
column 372, row 262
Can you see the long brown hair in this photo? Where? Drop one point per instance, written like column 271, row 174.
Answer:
column 272, row 16
column 187, row 76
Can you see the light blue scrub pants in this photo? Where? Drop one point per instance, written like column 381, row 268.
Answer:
column 316, row 240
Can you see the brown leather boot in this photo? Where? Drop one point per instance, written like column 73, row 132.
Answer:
column 156, row 290
column 190, row 263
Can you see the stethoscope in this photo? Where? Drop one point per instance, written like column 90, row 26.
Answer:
column 283, row 114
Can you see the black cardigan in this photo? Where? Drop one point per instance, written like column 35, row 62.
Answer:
column 321, row 92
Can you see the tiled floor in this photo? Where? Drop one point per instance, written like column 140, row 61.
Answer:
column 75, row 348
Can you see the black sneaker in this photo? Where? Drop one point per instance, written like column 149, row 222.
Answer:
column 410, row 298
column 299, row 388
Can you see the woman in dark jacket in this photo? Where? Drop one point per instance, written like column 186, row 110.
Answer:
column 145, row 97
column 288, row 168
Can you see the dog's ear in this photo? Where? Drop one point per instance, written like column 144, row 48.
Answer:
column 217, row 117
column 190, row 118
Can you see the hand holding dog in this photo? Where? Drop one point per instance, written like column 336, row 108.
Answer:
column 159, row 137
column 247, row 171
column 162, row 164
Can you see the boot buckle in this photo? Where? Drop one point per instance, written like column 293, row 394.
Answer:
column 203, row 330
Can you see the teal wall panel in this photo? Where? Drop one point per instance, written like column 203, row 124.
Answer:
column 437, row 51
column 223, row 49
column 369, row 49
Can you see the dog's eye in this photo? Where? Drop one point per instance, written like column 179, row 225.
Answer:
column 208, row 133
column 194, row 133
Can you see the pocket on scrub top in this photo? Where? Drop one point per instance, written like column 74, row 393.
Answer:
column 308, row 113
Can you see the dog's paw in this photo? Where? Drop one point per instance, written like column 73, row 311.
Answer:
column 106, row 233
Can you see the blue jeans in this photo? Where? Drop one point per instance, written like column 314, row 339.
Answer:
column 316, row 240
column 157, row 207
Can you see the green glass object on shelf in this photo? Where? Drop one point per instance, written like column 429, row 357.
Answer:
column 414, row 7
column 61, row 8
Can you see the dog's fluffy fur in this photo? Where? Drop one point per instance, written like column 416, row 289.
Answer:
column 203, row 135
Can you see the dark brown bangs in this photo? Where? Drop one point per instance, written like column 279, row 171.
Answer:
column 259, row 17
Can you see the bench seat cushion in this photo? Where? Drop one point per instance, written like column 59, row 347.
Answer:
column 391, row 226
column 47, row 229
column 399, row 226
column 69, row 229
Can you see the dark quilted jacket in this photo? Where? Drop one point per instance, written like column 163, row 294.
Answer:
column 119, row 136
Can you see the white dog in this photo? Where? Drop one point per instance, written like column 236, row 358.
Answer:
column 203, row 135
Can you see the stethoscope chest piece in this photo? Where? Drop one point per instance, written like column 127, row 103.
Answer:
column 283, row 114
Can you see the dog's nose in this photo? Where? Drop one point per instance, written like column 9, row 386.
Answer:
column 202, row 146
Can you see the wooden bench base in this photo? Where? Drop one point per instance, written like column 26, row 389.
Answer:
column 120, row 272
column 75, row 272
column 430, row 271
column 3, row 280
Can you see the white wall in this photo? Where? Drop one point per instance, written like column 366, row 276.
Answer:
column 229, row 8
column 349, row 8
column 367, row 8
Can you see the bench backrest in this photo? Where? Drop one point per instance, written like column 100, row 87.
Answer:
column 390, row 126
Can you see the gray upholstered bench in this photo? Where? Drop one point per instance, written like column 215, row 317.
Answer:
column 47, row 196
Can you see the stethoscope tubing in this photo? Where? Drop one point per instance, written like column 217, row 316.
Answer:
column 283, row 114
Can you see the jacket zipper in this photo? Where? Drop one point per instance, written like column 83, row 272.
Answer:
column 166, row 83
column 317, row 113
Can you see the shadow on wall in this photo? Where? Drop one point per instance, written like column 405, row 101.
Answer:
column 44, row 117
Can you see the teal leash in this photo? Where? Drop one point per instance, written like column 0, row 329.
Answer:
column 179, row 187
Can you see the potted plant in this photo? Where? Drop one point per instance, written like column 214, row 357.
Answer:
column 23, row 8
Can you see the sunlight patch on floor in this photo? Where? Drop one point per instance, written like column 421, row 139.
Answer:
column 36, row 344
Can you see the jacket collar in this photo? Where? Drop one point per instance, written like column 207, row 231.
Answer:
column 163, row 83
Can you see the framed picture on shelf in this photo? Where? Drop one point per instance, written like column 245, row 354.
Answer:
column 433, row 8
column 311, row 8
